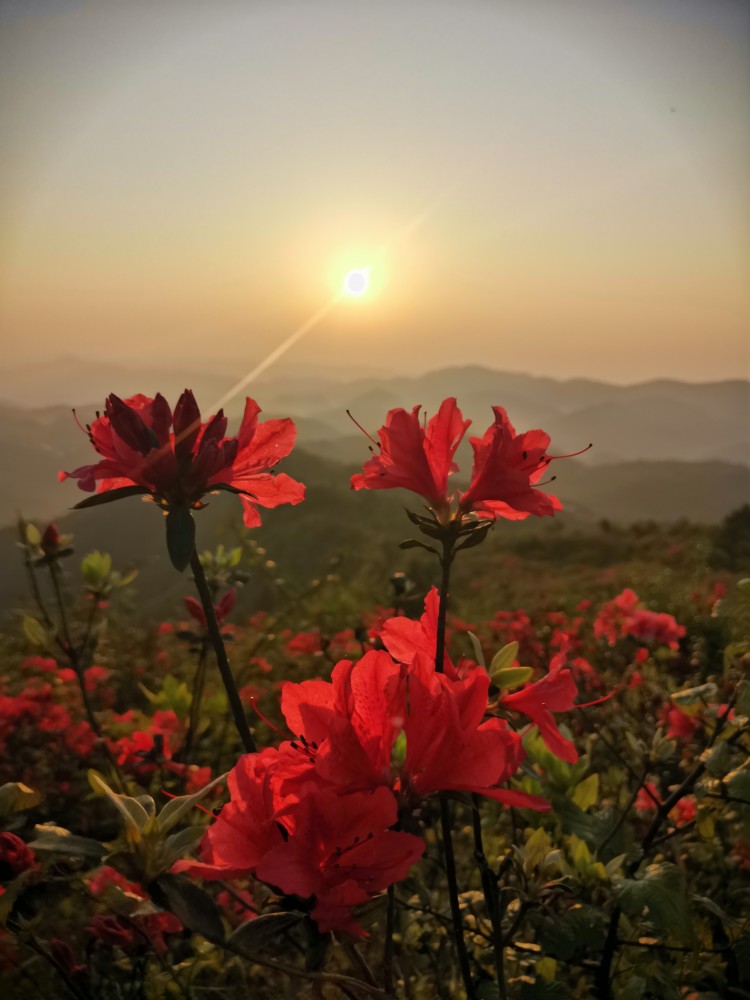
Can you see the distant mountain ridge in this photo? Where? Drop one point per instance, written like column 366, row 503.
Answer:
column 633, row 428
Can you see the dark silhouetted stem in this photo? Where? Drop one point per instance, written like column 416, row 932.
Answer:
column 450, row 872
column 445, row 811
column 390, row 926
column 214, row 634
column 196, row 703
column 71, row 651
column 491, row 896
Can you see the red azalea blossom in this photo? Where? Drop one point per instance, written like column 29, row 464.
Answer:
column 15, row 856
column 506, row 467
column 648, row 799
column 352, row 726
column 414, row 457
column 680, row 726
column 176, row 459
column 313, row 842
column 555, row 692
column 505, row 476
column 622, row 616
column 222, row 608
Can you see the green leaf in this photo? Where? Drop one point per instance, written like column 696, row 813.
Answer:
column 413, row 543
column 509, row 678
column 179, row 844
column 586, row 794
column 257, row 933
column 127, row 578
column 33, row 535
column 34, row 631
column 134, row 815
column 192, row 905
column 175, row 809
column 477, row 647
column 695, row 695
column 180, row 537
column 110, row 496
column 476, row 537
column 504, row 658
column 56, row 840
column 661, row 892
column 96, row 567
column 16, row 797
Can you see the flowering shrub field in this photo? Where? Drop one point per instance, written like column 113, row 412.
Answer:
column 417, row 799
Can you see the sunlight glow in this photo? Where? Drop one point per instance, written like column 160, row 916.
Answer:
column 356, row 282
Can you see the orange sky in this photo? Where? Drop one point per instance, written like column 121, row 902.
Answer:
column 545, row 187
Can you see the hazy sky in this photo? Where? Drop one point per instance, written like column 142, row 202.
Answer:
column 555, row 187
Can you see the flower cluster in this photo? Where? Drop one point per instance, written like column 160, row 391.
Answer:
column 505, row 476
column 314, row 817
column 175, row 459
column 622, row 616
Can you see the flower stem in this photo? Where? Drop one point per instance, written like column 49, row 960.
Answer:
column 491, row 896
column 445, row 811
column 199, row 683
column 390, row 924
column 214, row 634
column 450, row 872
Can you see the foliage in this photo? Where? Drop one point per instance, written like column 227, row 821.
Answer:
column 116, row 738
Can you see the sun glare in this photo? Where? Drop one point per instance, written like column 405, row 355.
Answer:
column 357, row 281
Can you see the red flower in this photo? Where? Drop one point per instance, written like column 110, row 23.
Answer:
column 506, row 473
column 506, row 465
column 176, row 459
column 680, row 726
column 413, row 457
column 352, row 726
column 555, row 692
column 315, row 842
column 222, row 608
column 50, row 540
column 341, row 851
column 110, row 931
column 15, row 855
column 622, row 616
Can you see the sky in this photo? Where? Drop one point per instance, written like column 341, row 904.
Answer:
column 556, row 187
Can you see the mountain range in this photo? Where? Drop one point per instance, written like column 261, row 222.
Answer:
column 662, row 449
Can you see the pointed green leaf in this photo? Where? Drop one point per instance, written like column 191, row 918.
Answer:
column 504, row 657
column 175, row 809
column 477, row 647
column 16, row 797
column 111, row 495
column 56, row 840
column 257, row 933
column 131, row 810
column 33, row 534
column 34, row 631
column 508, row 678
column 193, row 905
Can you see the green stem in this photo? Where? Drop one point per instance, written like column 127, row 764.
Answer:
column 214, row 634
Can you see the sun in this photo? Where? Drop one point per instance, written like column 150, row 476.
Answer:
column 356, row 282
